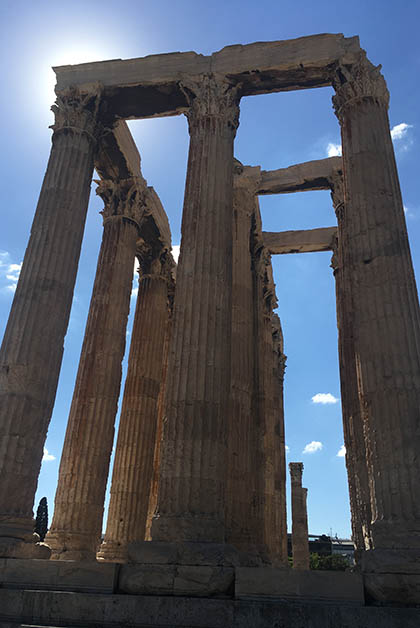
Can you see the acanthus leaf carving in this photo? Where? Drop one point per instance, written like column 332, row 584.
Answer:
column 212, row 96
column 123, row 198
column 358, row 82
column 77, row 111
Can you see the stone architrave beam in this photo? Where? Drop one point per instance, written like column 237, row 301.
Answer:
column 151, row 86
column 310, row 175
column 306, row 241
column 118, row 159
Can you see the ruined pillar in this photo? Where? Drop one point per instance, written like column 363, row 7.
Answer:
column 77, row 523
column 278, row 545
column 243, row 520
column 354, row 441
column 268, row 409
column 385, row 316
column 193, row 463
column 138, row 428
column 300, row 541
column 32, row 349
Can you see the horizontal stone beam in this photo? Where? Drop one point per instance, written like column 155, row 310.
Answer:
column 310, row 175
column 306, row 241
column 119, row 158
column 150, row 86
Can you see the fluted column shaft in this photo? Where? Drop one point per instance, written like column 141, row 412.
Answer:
column 243, row 527
column 278, row 536
column 300, row 541
column 32, row 349
column 354, row 441
column 77, row 523
column 385, row 307
column 192, row 476
column 133, row 466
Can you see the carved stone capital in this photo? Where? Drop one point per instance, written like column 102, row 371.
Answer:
column 124, row 198
column 211, row 96
column 357, row 83
column 77, row 112
column 296, row 471
column 334, row 264
column 337, row 193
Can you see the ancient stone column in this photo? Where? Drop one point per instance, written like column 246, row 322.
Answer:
column 278, row 546
column 193, row 464
column 77, row 523
column 133, row 466
column 354, row 441
column 270, row 468
column 300, row 541
column 385, row 315
column 243, row 520
column 32, row 348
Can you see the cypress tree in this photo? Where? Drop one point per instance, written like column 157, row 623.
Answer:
column 41, row 521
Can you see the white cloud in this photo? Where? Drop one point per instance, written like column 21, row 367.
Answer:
column 175, row 252
column 312, row 447
column 287, row 448
column 47, row 457
column 9, row 272
column 341, row 452
column 334, row 150
column 399, row 131
column 324, row 398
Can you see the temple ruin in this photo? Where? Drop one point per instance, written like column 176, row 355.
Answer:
column 197, row 518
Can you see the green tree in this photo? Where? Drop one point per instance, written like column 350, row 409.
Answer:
column 41, row 521
column 332, row 562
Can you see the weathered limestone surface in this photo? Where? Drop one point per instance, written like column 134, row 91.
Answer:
column 300, row 542
column 138, row 88
column 192, row 475
column 76, row 526
column 32, row 348
column 305, row 241
column 310, row 175
column 133, row 467
column 354, row 441
column 268, row 404
column 242, row 511
column 87, row 609
column 320, row 586
column 385, row 317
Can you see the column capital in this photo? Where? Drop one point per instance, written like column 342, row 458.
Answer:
column 77, row 112
column 357, row 83
column 337, row 193
column 296, row 471
column 123, row 198
column 211, row 96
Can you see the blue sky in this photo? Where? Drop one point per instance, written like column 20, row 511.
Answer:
column 275, row 131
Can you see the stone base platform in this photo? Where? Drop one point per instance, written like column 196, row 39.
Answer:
column 65, row 609
column 69, row 594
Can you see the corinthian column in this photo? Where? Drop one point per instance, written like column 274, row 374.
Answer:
column 300, row 541
column 133, row 466
column 193, row 463
column 31, row 353
column 77, row 523
column 385, row 315
column 243, row 524
column 352, row 417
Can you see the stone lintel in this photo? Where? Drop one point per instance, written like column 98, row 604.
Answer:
column 119, row 158
column 310, row 175
column 150, row 86
column 306, row 241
